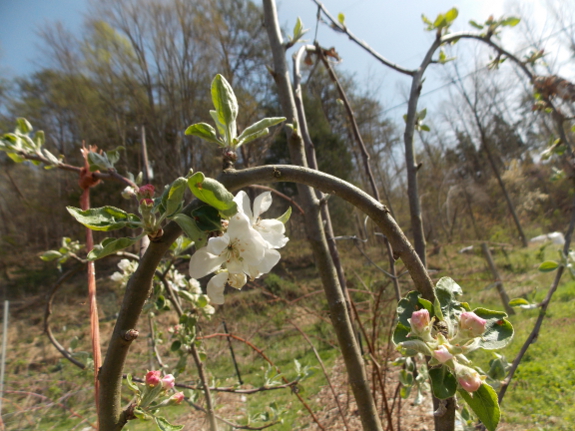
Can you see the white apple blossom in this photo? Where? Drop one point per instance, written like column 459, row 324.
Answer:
column 271, row 230
column 127, row 267
column 246, row 249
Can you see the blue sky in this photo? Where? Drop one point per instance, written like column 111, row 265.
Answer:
column 20, row 46
column 393, row 28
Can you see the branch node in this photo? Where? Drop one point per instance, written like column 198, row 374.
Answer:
column 131, row 334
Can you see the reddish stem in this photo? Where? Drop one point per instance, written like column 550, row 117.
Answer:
column 94, row 324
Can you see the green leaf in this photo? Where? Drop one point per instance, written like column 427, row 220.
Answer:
column 498, row 331
column 204, row 131
column 449, row 308
column 226, row 106
column 131, row 384
column 443, row 382
column 341, row 19
column 15, row 157
column 104, row 218
column 511, row 21
column 114, row 155
column 440, row 21
column 213, row 193
column 99, row 161
column 284, row 218
column 110, row 246
column 51, row 157
column 207, row 218
column 40, row 139
column 50, row 255
column 476, row 25
column 164, row 425
column 176, row 195
column 23, row 126
column 484, row 404
column 548, row 266
column 517, row 302
column 258, row 129
column 191, row 229
column 451, row 14
column 424, row 127
column 297, row 29
column 176, row 346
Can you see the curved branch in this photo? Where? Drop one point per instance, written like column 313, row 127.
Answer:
column 378, row 212
column 48, row 312
column 139, row 286
column 335, row 24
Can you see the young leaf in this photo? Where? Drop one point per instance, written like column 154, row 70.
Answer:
column 226, row 105
column 512, row 21
column 213, row 193
column 548, row 266
column 175, row 195
column 476, row 25
column 284, row 218
column 191, row 229
column 104, row 218
column 23, row 126
column 484, row 404
column 131, row 384
column 341, row 19
column 443, row 382
column 204, row 131
column 164, row 425
column 498, row 331
column 110, row 246
column 50, row 255
column 256, row 128
column 451, row 14
column 517, row 302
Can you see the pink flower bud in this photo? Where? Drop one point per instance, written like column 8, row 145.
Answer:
column 177, row 398
column 419, row 321
column 468, row 378
column 147, row 202
column 168, row 381
column 442, row 354
column 146, row 191
column 472, row 323
column 153, row 378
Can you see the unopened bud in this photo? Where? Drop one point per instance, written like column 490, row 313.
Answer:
column 168, row 381
column 472, row 323
column 419, row 322
column 177, row 398
column 468, row 378
column 146, row 191
column 153, row 378
column 442, row 354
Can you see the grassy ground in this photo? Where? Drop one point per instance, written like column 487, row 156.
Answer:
column 44, row 392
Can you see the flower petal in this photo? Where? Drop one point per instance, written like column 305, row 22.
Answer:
column 217, row 244
column 203, row 263
column 243, row 202
column 216, row 287
column 273, row 232
column 262, row 203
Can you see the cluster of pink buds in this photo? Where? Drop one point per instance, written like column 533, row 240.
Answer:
column 155, row 391
column 154, row 378
column 449, row 351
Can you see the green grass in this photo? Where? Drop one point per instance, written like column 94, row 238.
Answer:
column 540, row 396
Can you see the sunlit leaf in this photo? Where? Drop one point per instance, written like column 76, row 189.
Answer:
column 484, row 404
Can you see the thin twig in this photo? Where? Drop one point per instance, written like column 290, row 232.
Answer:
column 325, row 373
column 542, row 311
column 268, row 360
